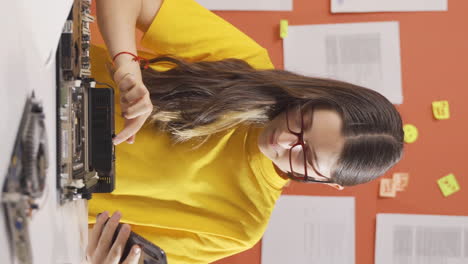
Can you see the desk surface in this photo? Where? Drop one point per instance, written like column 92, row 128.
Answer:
column 28, row 65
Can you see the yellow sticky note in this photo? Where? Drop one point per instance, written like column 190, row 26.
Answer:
column 441, row 110
column 411, row 133
column 283, row 28
column 448, row 185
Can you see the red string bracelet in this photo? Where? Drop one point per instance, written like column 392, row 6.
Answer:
column 135, row 58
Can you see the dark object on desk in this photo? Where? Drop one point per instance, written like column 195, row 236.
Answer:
column 85, row 115
column 25, row 180
column 150, row 253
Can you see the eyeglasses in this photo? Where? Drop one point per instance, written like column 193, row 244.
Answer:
column 301, row 147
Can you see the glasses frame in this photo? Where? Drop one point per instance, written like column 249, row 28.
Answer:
column 300, row 141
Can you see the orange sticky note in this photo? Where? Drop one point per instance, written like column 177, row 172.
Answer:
column 401, row 181
column 448, row 185
column 441, row 110
column 411, row 133
column 387, row 188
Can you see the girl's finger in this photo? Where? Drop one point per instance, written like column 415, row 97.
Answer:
column 131, row 127
column 124, row 106
column 131, row 139
column 134, row 94
column 93, row 238
column 127, row 83
column 106, row 237
column 116, row 251
column 134, row 256
column 141, row 107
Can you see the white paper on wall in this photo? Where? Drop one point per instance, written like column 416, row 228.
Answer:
column 421, row 239
column 345, row 6
column 248, row 5
column 366, row 54
column 310, row 229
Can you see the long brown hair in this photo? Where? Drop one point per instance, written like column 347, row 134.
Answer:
column 197, row 99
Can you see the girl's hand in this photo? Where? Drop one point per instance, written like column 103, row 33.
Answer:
column 135, row 102
column 117, row 20
column 101, row 251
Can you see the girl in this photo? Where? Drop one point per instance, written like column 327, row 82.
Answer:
column 225, row 132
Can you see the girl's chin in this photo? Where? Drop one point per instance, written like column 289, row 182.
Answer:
column 265, row 151
column 266, row 147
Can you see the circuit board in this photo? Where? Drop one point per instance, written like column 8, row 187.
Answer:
column 85, row 123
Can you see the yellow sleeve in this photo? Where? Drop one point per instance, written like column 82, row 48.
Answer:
column 186, row 29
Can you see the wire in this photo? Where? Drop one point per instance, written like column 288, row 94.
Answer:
column 104, row 84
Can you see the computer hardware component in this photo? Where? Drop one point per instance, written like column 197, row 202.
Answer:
column 85, row 124
column 25, row 180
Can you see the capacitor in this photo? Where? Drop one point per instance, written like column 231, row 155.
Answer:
column 84, row 46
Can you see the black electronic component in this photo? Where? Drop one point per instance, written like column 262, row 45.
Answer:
column 150, row 253
column 101, row 129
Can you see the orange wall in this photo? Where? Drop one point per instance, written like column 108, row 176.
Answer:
column 434, row 50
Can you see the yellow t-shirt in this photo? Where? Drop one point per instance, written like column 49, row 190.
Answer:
column 198, row 205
